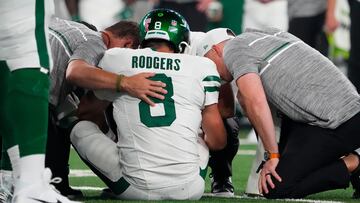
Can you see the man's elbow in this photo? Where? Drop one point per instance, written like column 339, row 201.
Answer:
column 72, row 75
column 69, row 74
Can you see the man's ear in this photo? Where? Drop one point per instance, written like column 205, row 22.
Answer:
column 129, row 43
column 217, row 49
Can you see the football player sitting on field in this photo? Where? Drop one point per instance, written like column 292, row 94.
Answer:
column 159, row 154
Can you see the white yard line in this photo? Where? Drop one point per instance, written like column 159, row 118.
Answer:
column 87, row 188
column 261, row 198
column 81, row 173
column 246, row 152
column 247, row 142
column 234, row 197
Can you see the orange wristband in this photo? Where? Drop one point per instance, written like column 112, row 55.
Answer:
column 268, row 155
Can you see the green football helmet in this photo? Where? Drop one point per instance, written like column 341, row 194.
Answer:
column 165, row 24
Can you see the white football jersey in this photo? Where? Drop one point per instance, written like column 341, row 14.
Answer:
column 158, row 145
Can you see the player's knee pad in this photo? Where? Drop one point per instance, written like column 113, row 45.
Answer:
column 29, row 82
column 83, row 129
column 93, row 146
column 85, row 134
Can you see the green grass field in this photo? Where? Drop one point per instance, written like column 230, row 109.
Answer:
column 241, row 168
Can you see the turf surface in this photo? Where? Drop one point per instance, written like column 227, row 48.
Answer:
column 241, row 168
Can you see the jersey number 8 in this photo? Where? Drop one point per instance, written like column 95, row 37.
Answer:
column 169, row 106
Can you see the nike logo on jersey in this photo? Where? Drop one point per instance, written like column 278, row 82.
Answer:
column 43, row 201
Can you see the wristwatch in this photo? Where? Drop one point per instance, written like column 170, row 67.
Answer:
column 268, row 155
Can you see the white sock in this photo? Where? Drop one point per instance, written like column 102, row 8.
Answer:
column 32, row 168
column 14, row 155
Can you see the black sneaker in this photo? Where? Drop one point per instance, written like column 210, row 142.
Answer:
column 222, row 187
column 356, row 194
column 72, row 193
column 355, row 180
column 68, row 192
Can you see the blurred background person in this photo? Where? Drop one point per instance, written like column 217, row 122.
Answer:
column 257, row 12
column 135, row 9
column 354, row 60
column 194, row 11
column 101, row 14
column 309, row 20
column 226, row 13
column 339, row 40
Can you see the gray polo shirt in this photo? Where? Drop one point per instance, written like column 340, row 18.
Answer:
column 306, row 8
column 298, row 80
column 69, row 41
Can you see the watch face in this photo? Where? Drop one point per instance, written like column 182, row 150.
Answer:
column 266, row 156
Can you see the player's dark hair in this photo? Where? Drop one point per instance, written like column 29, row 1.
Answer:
column 126, row 29
column 154, row 43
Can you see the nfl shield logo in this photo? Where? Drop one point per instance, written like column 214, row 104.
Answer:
column 173, row 23
column 147, row 22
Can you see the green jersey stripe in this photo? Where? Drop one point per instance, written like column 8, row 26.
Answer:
column 203, row 172
column 211, row 89
column 62, row 40
column 273, row 52
column 212, row 78
column 40, row 34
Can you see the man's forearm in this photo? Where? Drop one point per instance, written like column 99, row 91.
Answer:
column 260, row 118
column 86, row 76
column 253, row 99
column 140, row 85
